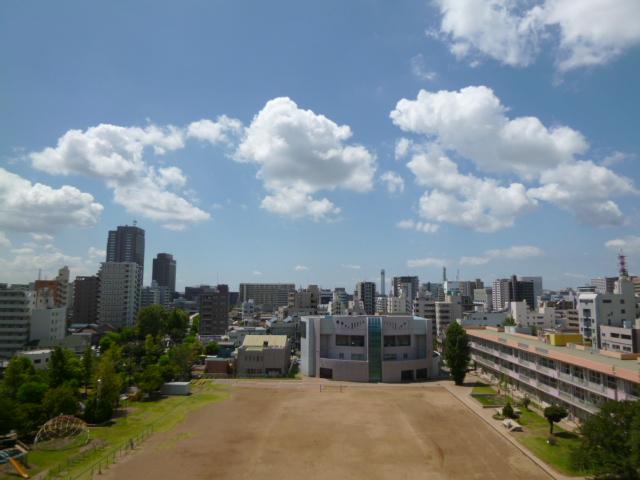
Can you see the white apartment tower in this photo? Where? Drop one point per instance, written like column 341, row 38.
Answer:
column 120, row 293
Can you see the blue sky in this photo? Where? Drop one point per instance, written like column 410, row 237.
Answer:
column 254, row 140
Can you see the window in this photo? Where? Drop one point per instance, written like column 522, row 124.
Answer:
column 594, row 377
column 342, row 340
column 356, row 340
column 357, row 356
column 389, row 340
column 404, row 340
column 390, row 356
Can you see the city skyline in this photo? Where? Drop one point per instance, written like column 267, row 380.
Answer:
column 175, row 135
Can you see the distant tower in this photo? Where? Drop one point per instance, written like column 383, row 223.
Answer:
column 622, row 262
column 444, row 274
column 382, row 286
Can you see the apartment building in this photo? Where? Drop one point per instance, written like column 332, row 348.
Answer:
column 156, row 295
column 576, row 377
column 213, row 306
column 447, row 312
column 48, row 325
column 612, row 309
column 16, row 303
column 363, row 348
column 85, row 300
column 268, row 296
column 621, row 339
column 120, row 293
column 366, row 293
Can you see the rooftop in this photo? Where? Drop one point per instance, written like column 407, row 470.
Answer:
column 274, row 341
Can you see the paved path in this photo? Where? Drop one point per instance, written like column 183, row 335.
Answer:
column 462, row 393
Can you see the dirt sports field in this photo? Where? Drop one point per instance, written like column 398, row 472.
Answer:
column 297, row 432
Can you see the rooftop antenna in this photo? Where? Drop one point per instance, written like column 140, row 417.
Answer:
column 444, row 274
column 622, row 263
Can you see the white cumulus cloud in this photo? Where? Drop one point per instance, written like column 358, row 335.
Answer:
column 425, row 262
column 35, row 207
column 472, row 123
column 580, row 32
column 517, row 252
column 393, row 181
column 115, row 154
column 629, row 244
column 301, row 268
column 300, row 153
column 424, row 227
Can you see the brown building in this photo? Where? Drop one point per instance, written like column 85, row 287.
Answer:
column 86, row 299
column 214, row 311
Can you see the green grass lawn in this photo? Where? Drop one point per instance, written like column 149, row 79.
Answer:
column 483, row 389
column 159, row 415
column 534, row 437
column 490, row 400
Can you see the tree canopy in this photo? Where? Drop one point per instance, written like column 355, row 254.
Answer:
column 554, row 414
column 457, row 352
column 610, row 442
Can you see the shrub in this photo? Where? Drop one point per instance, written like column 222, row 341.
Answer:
column 526, row 401
column 507, row 411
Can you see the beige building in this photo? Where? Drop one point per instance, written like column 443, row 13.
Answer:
column 263, row 355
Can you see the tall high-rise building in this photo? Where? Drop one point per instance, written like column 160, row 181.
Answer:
column 382, row 283
column 85, row 300
column 16, row 304
column 537, row 288
column 126, row 244
column 120, row 293
column 507, row 290
column 410, row 292
column 500, row 294
column 213, row 306
column 164, row 271
column 522, row 291
column 366, row 293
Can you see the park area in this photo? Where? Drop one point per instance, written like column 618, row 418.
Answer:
column 310, row 430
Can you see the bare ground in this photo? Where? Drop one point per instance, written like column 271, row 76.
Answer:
column 277, row 432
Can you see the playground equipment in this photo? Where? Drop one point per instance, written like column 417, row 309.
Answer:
column 64, row 431
column 14, row 456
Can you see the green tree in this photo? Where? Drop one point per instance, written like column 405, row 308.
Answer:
column 150, row 379
column 181, row 359
column 31, row 392
column 88, row 363
column 19, row 371
column 457, row 352
column 7, row 414
column 610, row 442
column 29, row 417
column 152, row 320
column 526, row 401
column 509, row 322
column 108, row 340
column 554, row 414
column 64, row 367
column 97, row 410
column 153, row 349
column 212, row 348
column 108, row 382
column 507, row 410
column 177, row 323
column 61, row 400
